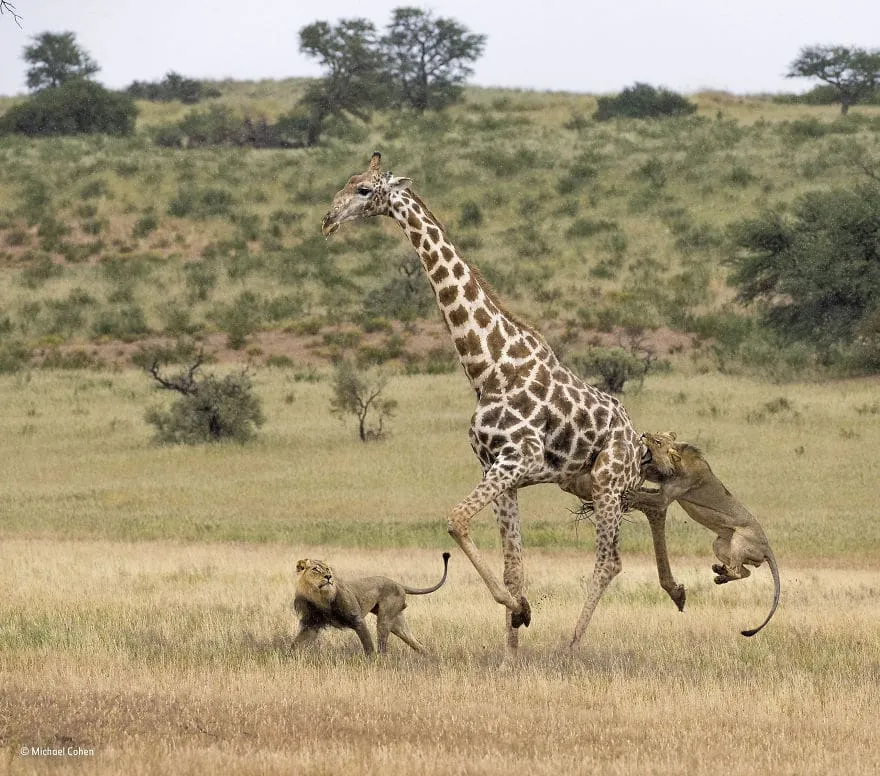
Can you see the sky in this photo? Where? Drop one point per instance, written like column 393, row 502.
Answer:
column 739, row 46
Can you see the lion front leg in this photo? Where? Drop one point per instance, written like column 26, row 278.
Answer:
column 653, row 505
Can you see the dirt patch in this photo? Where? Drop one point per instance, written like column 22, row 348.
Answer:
column 399, row 343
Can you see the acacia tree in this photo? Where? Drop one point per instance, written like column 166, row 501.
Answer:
column 815, row 275
column 55, row 58
column 428, row 58
column 853, row 72
column 360, row 395
column 355, row 82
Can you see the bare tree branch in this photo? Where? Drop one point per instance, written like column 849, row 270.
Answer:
column 7, row 7
column 185, row 383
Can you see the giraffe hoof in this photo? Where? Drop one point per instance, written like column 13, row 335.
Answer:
column 679, row 594
column 524, row 616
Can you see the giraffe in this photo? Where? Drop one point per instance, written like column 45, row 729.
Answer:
column 535, row 420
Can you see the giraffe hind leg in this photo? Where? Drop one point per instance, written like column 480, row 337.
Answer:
column 607, row 565
column 507, row 514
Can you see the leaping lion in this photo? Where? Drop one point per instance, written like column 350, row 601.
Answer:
column 323, row 600
column 684, row 476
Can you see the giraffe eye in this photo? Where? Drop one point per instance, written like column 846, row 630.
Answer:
column 364, row 191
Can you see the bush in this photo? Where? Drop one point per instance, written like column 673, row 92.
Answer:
column 76, row 107
column 360, row 395
column 209, row 409
column 614, row 365
column 642, row 101
column 173, row 87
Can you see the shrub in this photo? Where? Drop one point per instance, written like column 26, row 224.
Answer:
column 76, row 107
column 614, row 365
column 240, row 318
column 125, row 323
column 587, row 227
column 14, row 356
column 40, row 269
column 173, row 87
column 200, row 278
column 359, row 394
column 192, row 202
column 406, row 296
column 209, row 409
column 147, row 223
column 642, row 101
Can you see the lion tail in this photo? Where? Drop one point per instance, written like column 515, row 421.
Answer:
column 774, row 570
column 426, row 590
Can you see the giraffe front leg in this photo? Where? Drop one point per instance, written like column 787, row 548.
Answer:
column 458, row 526
column 507, row 515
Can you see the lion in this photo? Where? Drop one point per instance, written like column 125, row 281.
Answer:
column 322, row 600
column 685, row 476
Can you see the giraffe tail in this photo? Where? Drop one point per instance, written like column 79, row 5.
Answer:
column 774, row 570
column 426, row 590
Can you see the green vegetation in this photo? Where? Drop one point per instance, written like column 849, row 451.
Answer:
column 852, row 74
column 583, row 227
column 209, row 409
column 816, row 273
column 643, row 101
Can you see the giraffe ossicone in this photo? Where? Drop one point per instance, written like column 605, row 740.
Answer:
column 535, row 421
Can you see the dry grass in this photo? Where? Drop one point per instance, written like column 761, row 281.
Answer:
column 145, row 598
column 172, row 659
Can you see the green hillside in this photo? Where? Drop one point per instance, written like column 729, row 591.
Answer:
column 109, row 246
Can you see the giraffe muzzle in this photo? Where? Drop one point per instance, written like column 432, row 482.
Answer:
column 329, row 225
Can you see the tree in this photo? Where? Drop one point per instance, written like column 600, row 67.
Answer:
column 853, row 72
column 208, row 410
column 428, row 58
column 816, row 275
column 76, row 107
column 355, row 82
column 56, row 58
column 361, row 395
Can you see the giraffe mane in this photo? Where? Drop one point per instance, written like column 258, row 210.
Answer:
column 490, row 292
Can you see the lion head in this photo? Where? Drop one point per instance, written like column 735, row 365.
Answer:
column 316, row 581
column 662, row 456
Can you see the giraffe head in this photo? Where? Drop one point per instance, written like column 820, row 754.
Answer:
column 364, row 195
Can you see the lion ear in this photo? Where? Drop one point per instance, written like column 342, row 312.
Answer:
column 301, row 565
column 671, row 435
column 674, row 454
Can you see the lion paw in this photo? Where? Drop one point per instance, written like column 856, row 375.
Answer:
column 524, row 616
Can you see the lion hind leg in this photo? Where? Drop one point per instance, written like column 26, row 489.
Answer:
column 400, row 629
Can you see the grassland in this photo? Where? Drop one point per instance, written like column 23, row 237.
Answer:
column 582, row 226
column 145, row 613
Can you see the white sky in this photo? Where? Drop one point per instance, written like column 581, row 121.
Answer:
column 742, row 46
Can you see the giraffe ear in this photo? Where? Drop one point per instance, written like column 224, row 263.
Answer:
column 397, row 183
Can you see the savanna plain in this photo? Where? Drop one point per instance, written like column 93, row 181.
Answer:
column 145, row 621
column 145, row 589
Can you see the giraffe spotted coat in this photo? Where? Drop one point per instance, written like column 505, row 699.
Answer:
column 535, row 420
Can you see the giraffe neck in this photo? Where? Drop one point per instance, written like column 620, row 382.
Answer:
column 492, row 346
